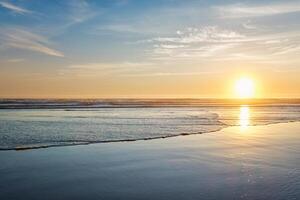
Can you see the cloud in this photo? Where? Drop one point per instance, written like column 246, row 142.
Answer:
column 74, row 12
column 96, row 69
column 79, row 11
column 169, row 46
column 126, row 69
column 14, row 8
column 240, row 10
column 248, row 25
column 120, row 28
column 288, row 49
column 196, row 42
column 215, row 44
column 15, row 60
column 175, row 73
column 21, row 39
column 204, row 34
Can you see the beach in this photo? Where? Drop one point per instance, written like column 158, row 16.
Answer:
column 238, row 162
column 149, row 100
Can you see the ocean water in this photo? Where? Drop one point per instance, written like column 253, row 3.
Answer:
column 43, row 123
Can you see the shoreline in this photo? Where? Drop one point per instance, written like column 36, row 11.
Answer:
column 79, row 143
column 260, row 162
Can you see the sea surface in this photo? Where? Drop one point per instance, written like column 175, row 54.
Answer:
column 27, row 123
column 255, row 162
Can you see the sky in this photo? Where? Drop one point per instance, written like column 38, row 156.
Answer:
column 148, row 49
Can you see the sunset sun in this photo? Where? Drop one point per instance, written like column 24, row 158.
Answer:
column 244, row 88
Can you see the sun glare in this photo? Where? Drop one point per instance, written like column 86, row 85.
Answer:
column 244, row 88
column 244, row 117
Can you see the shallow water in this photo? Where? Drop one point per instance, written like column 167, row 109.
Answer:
column 251, row 162
column 45, row 127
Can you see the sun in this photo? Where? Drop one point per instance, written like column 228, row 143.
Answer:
column 244, row 88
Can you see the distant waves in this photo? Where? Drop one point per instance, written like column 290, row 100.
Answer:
column 136, row 103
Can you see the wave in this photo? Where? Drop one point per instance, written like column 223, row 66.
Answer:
column 74, row 143
column 80, row 142
column 39, row 128
column 73, row 104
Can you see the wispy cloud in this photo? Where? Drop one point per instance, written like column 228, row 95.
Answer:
column 241, row 10
column 248, row 25
column 15, row 60
column 74, row 12
column 14, row 8
column 22, row 39
column 195, row 42
column 120, row 28
column 204, row 34
column 196, row 73
column 71, row 14
column 215, row 44
column 292, row 48
column 80, row 11
column 96, row 69
column 127, row 69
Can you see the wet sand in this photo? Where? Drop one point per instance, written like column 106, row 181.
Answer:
column 254, row 162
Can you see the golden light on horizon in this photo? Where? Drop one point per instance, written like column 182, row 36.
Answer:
column 244, row 88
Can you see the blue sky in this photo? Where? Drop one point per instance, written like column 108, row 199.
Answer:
column 123, row 43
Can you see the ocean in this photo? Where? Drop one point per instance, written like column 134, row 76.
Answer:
column 40, row 123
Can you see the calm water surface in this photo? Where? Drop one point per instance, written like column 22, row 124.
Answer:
column 253, row 162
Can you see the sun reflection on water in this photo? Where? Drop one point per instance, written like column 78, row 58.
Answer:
column 244, row 117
